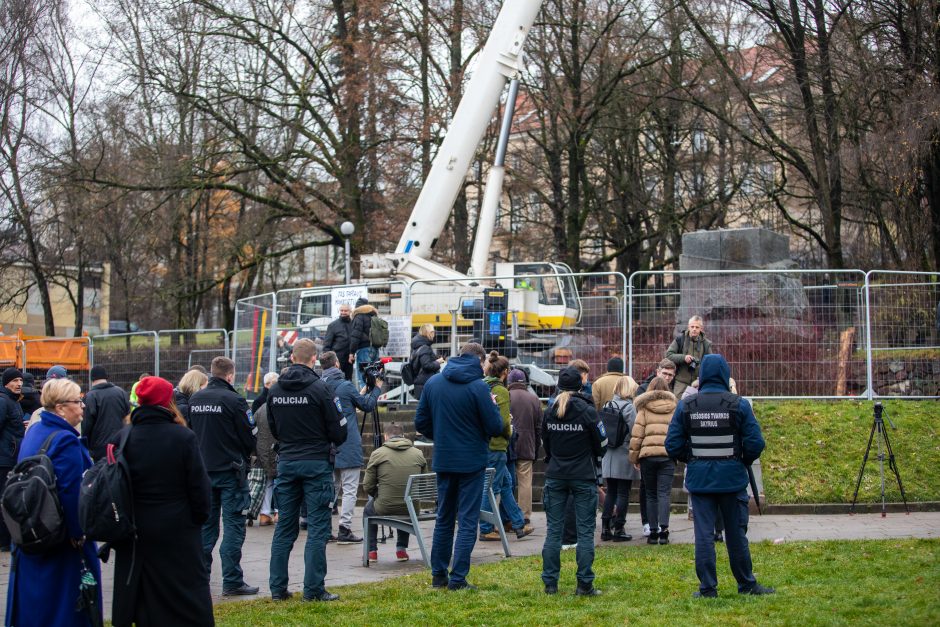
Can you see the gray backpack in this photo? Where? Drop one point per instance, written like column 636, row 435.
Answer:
column 30, row 503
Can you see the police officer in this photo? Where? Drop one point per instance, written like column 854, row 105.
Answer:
column 574, row 440
column 222, row 421
column 716, row 435
column 307, row 421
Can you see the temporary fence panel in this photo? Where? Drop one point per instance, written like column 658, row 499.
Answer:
column 126, row 356
column 785, row 333
column 545, row 319
column 252, row 341
column 904, row 309
column 180, row 349
column 72, row 353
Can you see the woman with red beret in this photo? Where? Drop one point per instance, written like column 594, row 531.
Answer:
column 163, row 580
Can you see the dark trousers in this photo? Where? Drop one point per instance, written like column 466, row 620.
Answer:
column 618, row 493
column 733, row 508
column 310, row 482
column 230, row 499
column 401, row 542
column 4, row 532
column 344, row 365
column 555, row 498
column 644, row 518
column 658, row 473
column 458, row 501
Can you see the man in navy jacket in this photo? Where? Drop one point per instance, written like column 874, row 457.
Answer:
column 716, row 435
column 458, row 412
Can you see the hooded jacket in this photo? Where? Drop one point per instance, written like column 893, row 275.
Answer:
column 349, row 454
column 387, row 473
column 457, row 411
column 500, row 443
column 573, row 442
column 423, row 359
column 717, row 475
column 653, row 412
column 106, row 406
column 526, row 410
column 305, row 418
column 360, row 327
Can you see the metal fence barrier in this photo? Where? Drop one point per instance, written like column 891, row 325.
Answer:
column 180, row 349
column 786, row 333
column 127, row 356
column 253, row 339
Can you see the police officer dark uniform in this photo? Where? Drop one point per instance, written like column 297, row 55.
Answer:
column 222, row 421
column 574, row 440
column 716, row 435
column 306, row 420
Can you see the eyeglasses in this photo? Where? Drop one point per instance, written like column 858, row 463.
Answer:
column 79, row 401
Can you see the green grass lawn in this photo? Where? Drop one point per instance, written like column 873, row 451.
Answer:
column 887, row 582
column 815, row 449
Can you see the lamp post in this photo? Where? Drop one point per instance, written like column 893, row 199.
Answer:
column 347, row 229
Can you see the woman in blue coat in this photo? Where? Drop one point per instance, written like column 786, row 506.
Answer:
column 44, row 588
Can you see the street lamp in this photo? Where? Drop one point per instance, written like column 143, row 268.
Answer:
column 347, row 229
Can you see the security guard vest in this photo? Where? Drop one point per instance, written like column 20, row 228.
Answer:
column 712, row 421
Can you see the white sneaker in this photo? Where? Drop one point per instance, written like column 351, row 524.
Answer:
column 646, row 530
column 565, row 547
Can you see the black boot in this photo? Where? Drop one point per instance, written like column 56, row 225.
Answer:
column 619, row 535
column 653, row 538
column 664, row 536
column 606, row 535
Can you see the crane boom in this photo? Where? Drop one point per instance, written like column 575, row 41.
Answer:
column 498, row 62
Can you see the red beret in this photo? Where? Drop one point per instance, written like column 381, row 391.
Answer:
column 154, row 391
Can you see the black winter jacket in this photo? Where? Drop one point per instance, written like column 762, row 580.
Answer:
column 304, row 417
column 573, row 442
column 360, row 327
column 222, row 421
column 423, row 359
column 337, row 338
column 182, row 404
column 11, row 427
column 106, row 406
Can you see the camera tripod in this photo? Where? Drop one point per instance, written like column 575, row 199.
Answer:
column 884, row 444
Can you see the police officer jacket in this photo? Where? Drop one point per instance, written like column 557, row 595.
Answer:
column 222, row 421
column 573, row 442
column 715, row 433
column 305, row 418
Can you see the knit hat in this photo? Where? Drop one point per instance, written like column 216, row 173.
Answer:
column 154, row 391
column 516, row 376
column 569, row 380
column 615, row 364
column 362, row 301
column 10, row 374
column 57, row 372
column 98, row 372
column 29, row 383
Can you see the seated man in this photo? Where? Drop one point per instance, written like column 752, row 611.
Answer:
column 386, row 476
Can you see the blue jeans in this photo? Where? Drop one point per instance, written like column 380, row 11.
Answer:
column 458, row 500
column 231, row 499
column 733, row 508
column 310, row 481
column 554, row 497
column 364, row 357
column 502, row 487
column 658, row 473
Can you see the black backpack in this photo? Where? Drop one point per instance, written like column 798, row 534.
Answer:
column 30, row 502
column 614, row 424
column 106, row 498
column 408, row 373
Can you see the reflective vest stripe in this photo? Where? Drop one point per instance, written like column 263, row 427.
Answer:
column 713, row 452
column 712, row 439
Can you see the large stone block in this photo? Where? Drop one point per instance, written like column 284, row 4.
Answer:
column 733, row 248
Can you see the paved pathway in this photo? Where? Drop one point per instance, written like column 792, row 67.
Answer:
column 345, row 562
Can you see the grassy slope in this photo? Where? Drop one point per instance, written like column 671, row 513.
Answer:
column 815, row 449
column 870, row 582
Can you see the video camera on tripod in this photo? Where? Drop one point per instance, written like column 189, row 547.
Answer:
column 375, row 370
